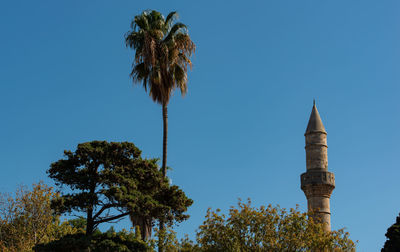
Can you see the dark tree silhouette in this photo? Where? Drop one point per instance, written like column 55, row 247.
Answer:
column 392, row 243
column 108, row 181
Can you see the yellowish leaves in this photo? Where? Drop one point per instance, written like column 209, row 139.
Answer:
column 26, row 219
column 267, row 229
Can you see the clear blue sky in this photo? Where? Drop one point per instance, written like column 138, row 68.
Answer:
column 64, row 79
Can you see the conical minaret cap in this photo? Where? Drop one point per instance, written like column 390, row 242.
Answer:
column 315, row 122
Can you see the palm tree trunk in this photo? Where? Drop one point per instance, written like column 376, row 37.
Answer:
column 165, row 137
column 144, row 226
column 164, row 161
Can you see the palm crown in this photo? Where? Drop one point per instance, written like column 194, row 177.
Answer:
column 162, row 54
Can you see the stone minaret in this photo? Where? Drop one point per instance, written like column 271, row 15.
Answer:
column 317, row 183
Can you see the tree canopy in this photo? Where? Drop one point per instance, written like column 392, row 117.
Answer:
column 267, row 229
column 162, row 54
column 108, row 181
column 110, row 240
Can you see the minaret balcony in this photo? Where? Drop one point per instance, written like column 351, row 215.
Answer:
column 317, row 177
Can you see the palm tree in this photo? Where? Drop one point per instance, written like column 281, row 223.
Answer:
column 162, row 56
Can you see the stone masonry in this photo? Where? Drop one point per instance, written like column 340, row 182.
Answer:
column 317, row 182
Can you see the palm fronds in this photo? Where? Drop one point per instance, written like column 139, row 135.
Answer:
column 162, row 54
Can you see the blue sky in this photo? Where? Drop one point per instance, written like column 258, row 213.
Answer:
column 238, row 133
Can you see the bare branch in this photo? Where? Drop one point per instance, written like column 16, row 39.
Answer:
column 111, row 218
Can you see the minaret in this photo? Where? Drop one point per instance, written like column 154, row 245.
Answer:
column 317, row 183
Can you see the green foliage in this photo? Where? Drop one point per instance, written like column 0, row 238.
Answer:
column 27, row 219
column 71, row 243
column 267, row 229
column 166, row 238
column 106, row 176
column 392, row 243
column 99, row 242
column 78, row 224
